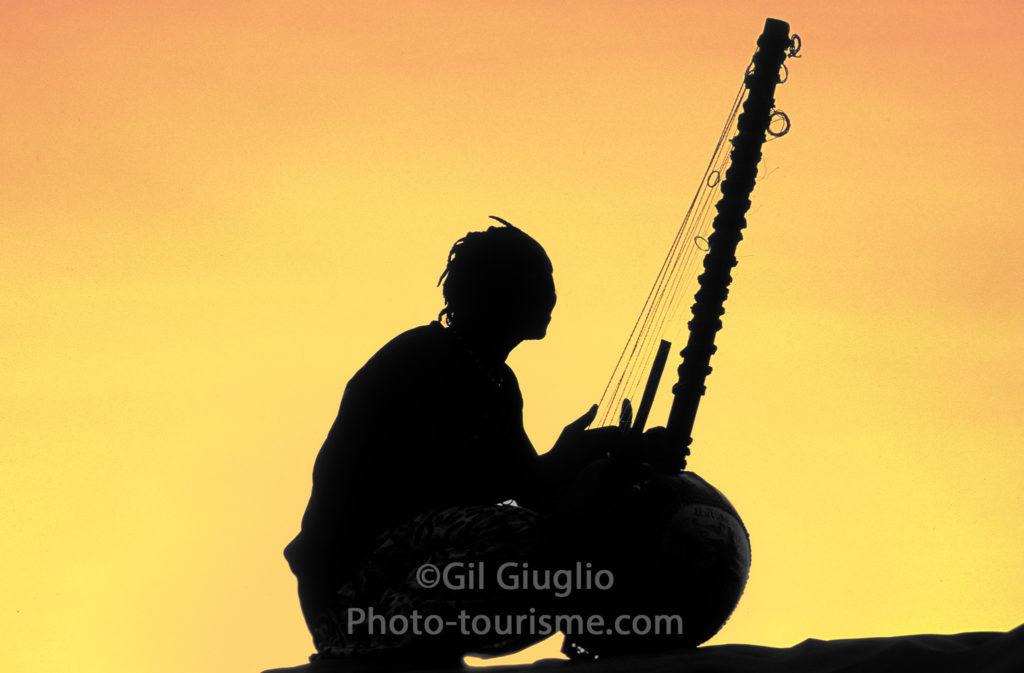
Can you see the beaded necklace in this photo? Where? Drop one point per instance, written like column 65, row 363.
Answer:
column 498, row 381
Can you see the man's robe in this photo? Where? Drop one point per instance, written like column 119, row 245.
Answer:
column 423, row 425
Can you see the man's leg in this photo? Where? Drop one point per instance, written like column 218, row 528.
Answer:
column 407, row 607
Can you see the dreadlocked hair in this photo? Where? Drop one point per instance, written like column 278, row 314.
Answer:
column 484, row 261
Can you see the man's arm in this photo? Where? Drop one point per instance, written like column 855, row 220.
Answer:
column 576, row 448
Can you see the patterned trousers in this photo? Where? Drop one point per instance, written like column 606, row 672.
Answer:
column 428, row 590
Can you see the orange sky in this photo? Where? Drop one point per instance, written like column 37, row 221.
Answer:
column 213, row 213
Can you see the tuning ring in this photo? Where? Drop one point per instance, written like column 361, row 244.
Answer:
column 783, row 74
column 794, row 46
column 778, row 115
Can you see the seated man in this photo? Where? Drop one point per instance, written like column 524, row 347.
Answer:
column 433, row 421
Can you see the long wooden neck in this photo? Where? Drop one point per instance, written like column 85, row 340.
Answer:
column 729, row 223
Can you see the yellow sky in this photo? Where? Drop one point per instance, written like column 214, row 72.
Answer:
column 211, row 214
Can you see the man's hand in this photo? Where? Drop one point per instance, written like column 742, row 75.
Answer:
column 657, row 450
column 574, row 431
column 577, row 446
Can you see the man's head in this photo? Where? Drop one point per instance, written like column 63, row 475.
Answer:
column 499, row 281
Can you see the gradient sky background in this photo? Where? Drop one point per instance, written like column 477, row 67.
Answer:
column 212, row 213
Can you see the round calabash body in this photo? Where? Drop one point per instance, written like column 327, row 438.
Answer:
column 677, row 550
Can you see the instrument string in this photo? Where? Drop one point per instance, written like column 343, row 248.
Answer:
column 681, row 275
column 652, row 316
column 677, row 276
column 653, row 298
column 680, row 267
column 693, row 257
column 610, row 410
column 693, row 250
column 663, row 297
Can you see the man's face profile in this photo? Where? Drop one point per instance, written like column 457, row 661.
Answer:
column 538, row 301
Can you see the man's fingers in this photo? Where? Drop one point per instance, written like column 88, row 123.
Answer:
column 581, row 423
column 626, row 415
